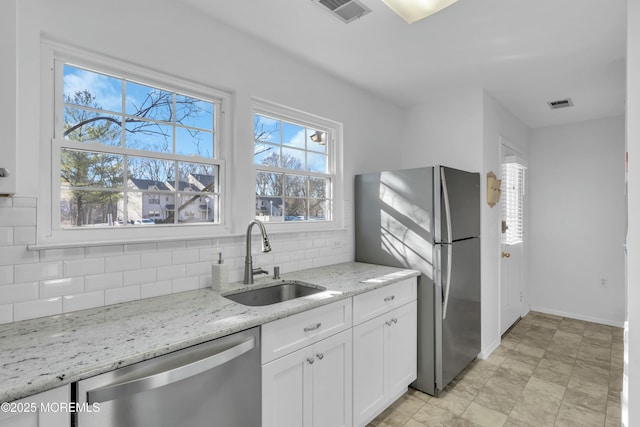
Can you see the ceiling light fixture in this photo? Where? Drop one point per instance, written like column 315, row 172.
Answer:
column 415, row 10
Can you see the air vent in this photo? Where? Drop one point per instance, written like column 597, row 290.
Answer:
column 345, row 10
column 562, row 103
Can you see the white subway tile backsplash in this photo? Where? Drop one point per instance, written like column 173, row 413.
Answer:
column 17, row 255
column 38, row 308
column 186, row 256
column 199, row 244
column 155, row 289
column 171, row 272
column 172, row 246
column 140, row 247
column 155, row 259
column 6, row 236
column 60, row 287
column 82, row 301
column 122, row 263
column 104, row 251
column 6, row 275
column 61, row 254
column 103, row 281
column 198, row 269
column 6, row 313
column 67, row 280
column 16, row 293
column 24, row 235
column 17, row 217
column 136, row 277
column 83, row 267
column 185, row 284
column 305, row 264
column 115, row 296
column 41, row 271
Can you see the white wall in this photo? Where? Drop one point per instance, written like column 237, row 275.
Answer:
column 632, row 344
column 497, row 123
column 577, row 211
column 171, row 39
column 8, row 34
column 445, row 131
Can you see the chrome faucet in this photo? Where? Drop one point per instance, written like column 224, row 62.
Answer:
column 249, row 271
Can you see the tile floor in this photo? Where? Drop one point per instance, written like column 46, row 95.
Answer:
column 548, row 371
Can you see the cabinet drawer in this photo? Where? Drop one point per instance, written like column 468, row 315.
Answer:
column 371, row 304
column 291, row 333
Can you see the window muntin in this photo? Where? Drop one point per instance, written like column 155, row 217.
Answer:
column 131, row 151
column 294, row 172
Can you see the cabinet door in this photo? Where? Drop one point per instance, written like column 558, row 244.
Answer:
column 40, row 410
column 286, row 390
column 332, row 381
column 401, row 346
column 368, row 370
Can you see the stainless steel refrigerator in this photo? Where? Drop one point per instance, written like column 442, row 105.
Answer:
column 428, row 219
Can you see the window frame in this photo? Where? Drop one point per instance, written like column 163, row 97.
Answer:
column 513, row 200
column 334, row 163
column 50, row 232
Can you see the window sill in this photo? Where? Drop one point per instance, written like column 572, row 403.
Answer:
column 132, row 241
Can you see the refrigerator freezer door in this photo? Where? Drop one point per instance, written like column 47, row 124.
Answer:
column 464, row 204
column 459, row 341
column 393, row 218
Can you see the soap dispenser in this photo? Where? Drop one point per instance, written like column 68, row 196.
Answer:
column 219, row 274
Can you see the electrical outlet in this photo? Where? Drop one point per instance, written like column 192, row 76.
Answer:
column 603, row 283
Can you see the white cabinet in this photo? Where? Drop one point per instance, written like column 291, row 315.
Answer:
column 46, row 409
column 310, row 385
column 384, row 348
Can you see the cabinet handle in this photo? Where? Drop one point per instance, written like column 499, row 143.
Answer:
column 320, row 356
column 394, row 320
column 388, row 323
column 389, row 298
column 313, row 328
column 310, row 360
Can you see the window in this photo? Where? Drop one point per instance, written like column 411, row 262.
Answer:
column 128, row 153
column 294, row 158
column 512, row 201
column 125, row 150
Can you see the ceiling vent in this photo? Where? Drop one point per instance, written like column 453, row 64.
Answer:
column 345, row 10
column 562, row 103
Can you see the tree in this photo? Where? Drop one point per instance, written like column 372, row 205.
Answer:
column 85, row 121
column 82, row 170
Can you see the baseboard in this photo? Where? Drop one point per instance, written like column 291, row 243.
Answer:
column 616, row 323
column 486, row 352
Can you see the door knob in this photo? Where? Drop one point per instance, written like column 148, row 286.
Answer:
column 506, row 254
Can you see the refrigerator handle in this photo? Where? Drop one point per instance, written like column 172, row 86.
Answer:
column 447, row 211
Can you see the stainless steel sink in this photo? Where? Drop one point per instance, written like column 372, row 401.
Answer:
column 273, row 294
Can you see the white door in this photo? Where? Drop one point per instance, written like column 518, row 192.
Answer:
column 332, row 381
column 512, row 210
column 286, row 390
column 401, row 345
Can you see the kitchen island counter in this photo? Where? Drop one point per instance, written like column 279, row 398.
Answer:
column 45, row 353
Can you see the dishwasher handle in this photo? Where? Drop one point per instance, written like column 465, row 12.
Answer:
column 121, row 390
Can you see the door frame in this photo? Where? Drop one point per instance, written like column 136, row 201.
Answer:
column 504, row 142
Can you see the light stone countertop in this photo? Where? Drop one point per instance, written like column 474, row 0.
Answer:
column 42, row 354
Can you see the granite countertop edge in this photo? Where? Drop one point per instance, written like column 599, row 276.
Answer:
column 41, row 354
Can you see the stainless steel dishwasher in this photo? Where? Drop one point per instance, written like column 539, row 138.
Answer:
column 216, row 384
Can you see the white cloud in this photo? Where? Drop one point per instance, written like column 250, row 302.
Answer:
column 107, row 90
